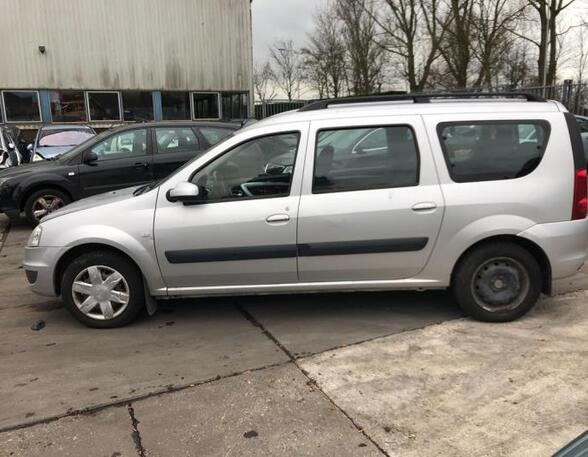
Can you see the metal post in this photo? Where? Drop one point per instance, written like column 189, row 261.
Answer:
column 566, row 93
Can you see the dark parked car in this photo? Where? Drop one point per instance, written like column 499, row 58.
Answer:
column 583, row 123
column 122, row 157
column 54, row 140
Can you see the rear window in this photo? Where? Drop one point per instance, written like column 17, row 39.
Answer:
column 489, row 150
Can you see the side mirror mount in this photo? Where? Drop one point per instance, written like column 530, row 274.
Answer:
column 30, row 147
column 90, row 158
column 187, row 193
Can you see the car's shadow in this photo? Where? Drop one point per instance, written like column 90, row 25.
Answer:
column 310, row 323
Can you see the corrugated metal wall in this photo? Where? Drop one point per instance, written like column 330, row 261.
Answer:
column 126, row 44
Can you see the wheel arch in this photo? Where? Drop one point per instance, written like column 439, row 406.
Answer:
column 26, row 193
column 78, row 250
column 534, row 249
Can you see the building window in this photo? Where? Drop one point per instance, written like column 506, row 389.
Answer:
column 68, row 106
column 137, row 106
column 21, row 106
column 175, row 105
column 104, row 106
column 235, row 105
column 206, row 105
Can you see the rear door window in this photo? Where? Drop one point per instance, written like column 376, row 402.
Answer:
column 492, row 150
column 363, row 158
column 171, row 139
column 215, row 135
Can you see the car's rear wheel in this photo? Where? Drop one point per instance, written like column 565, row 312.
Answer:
column 497, row 282
column 103, row 289
column 43, row 202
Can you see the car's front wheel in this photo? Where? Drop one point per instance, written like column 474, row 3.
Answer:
column 103, row 289
column 43, row 202
column 497, row 282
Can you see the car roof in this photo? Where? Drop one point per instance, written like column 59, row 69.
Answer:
column 355, row 110
column 65, row 127
column 219, row 124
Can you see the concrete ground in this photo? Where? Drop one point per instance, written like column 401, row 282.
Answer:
column 393, row 374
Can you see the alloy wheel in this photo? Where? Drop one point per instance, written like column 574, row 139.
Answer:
column 46, row 204
column 100, row 292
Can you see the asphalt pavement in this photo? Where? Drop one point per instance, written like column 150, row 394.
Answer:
column 329, row 374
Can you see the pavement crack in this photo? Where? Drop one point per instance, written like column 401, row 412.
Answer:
column 247, row 315
column 135, row 433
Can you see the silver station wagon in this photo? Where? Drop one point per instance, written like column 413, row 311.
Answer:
column 481, row 193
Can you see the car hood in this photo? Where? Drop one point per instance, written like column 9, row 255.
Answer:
column 47, row 152
column 93, row 202
column 33, row 167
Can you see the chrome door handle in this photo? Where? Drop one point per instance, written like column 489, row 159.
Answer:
column 424, row 206
column 277, row 218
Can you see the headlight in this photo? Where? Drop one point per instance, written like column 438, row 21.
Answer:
column 35, row 237
column 37, row 158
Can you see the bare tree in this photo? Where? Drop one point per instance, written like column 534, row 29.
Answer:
column 365, row 56
column 582, row 54
column 457, row 45
column 412, row 31
column 548, row 13
column 492, row 42
column 517, row 69
column 325, row 55
column 263, row 77
column 288, row 70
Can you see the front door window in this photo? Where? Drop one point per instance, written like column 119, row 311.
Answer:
column 258, row 168
column 126, row 144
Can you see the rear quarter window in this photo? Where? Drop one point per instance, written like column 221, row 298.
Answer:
column 492, row 150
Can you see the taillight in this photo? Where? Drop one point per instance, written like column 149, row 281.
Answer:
column 580, row 203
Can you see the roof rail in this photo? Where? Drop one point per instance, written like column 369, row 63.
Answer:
column 417, row 98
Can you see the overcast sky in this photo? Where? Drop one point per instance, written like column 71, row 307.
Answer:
column 293, row 19
column 280, row 19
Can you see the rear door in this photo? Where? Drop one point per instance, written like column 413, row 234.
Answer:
column 124, row 160
column 371, row 206
column 172, row 147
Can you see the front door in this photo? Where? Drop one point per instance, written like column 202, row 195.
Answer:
column 373, row 207
column 124, row 160
column 244, row 232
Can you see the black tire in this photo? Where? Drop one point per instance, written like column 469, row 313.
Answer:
column 497, row 282
column 133, row 281
column 49, row 194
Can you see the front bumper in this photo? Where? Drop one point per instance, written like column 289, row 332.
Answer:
column 39, row 264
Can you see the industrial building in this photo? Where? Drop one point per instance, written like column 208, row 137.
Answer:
column 105, row 62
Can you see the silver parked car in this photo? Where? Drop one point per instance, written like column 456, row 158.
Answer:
column 487, row 197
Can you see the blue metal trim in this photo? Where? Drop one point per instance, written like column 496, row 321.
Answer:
column 157, row 107
column 45, row 101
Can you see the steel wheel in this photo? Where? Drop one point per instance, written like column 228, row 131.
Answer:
column 46, row 204
column 100, row 292
column 500, row 284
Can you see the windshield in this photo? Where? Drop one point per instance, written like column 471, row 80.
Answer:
column 72, row 152
column 68, row 137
